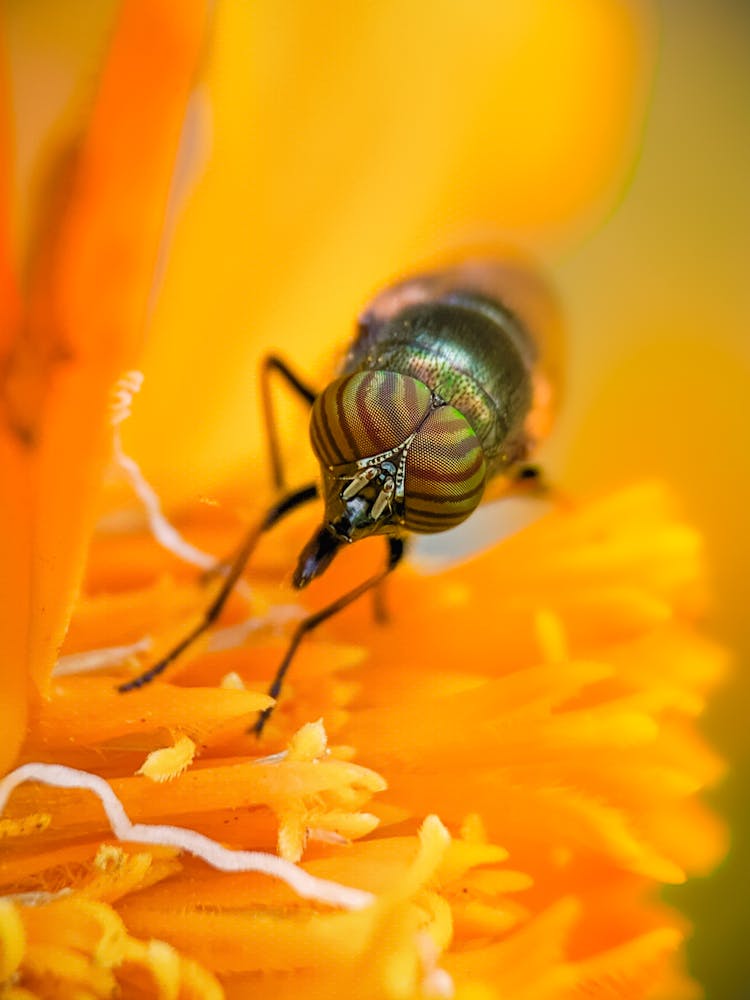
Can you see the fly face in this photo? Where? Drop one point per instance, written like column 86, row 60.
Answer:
column 362, row 430
column 395, row 457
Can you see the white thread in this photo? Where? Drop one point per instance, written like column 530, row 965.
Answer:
column 272, row 758
column 35, row 898
column 222, row 639
column 184, row 839
column 122, row 394
column 233, row 636
column 165, row 534
column 98, row 659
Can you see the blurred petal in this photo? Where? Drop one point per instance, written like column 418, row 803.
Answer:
column 15, row 495
column 354, row 142
column 86, row 302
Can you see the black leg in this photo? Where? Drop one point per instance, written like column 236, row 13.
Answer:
column 285, row 506
column 380, row 604
column 529, row 474
column 270, row 364
column 529, row 481
column 395, row 553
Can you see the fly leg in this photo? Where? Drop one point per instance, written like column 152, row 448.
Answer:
column 272, row 363
column 380, row 610
column 234, row 570
column 395, row 554
column 531, row 478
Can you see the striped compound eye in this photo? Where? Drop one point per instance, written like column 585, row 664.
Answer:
column 426, row 464
column 445, row 473
column 366, row 414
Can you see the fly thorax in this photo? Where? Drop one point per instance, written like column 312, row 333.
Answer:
column 394, row 456
column 465, row 351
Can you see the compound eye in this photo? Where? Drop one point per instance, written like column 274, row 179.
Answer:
column 365, row 414
column 445, row 473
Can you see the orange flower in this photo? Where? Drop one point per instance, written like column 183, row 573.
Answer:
column 504, row 771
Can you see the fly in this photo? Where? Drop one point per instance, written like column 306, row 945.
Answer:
column 447, row 387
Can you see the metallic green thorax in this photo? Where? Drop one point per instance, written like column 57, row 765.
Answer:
column 469, row 351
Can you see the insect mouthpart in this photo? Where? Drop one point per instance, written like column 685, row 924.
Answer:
column 318, row 554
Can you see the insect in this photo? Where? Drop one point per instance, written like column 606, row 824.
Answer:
column 445, row 390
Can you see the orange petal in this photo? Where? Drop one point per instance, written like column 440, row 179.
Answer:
column 88, row 301
column 15, row 489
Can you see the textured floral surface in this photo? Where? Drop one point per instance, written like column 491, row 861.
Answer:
column 540, row 699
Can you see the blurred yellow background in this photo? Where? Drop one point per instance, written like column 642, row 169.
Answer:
column 659, row 307
column 330, row 150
